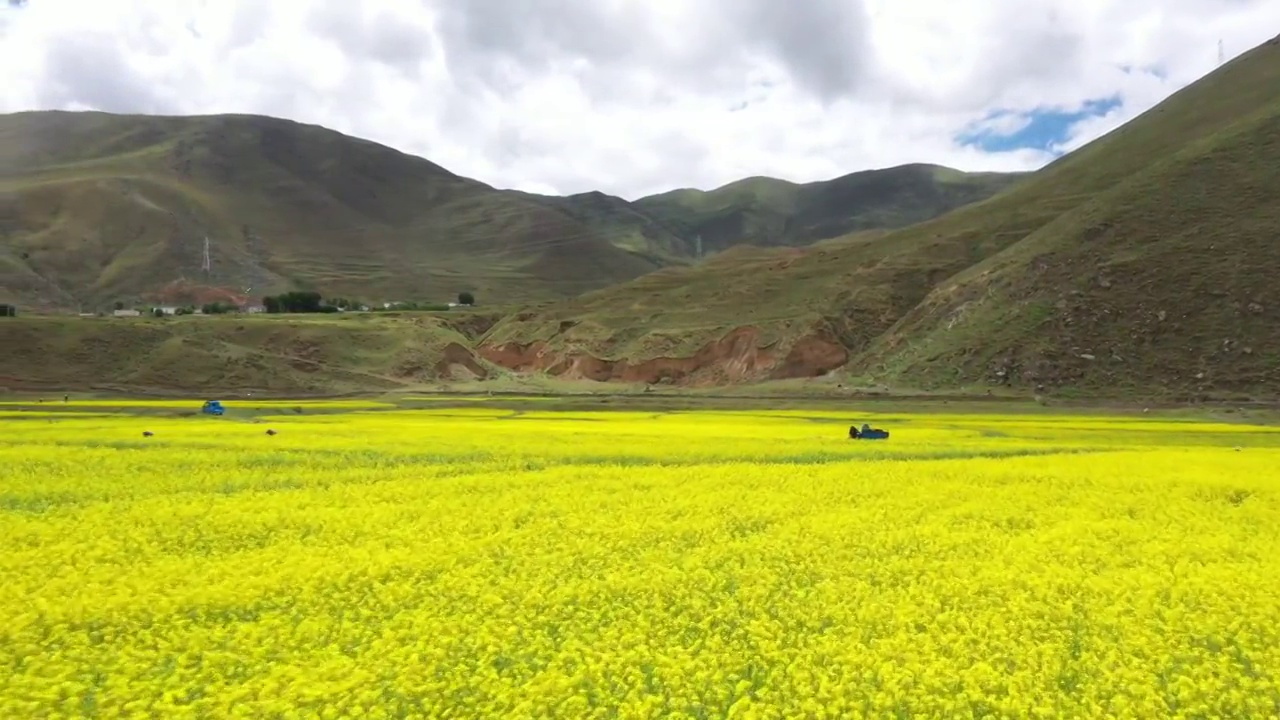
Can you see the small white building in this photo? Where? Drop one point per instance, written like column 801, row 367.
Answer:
column 255, row 308
column 126, row 313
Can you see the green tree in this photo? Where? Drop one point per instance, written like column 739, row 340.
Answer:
column 466, row 298
column 294, row 302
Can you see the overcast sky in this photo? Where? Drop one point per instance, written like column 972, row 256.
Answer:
column 639, row 96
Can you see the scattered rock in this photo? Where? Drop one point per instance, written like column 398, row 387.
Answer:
column 1162, row 315
column 1088, row 356
column 147, row 433
column 1256, row 308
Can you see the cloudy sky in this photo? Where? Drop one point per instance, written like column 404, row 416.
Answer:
column 639, row 96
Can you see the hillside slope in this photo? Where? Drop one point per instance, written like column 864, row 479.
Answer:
column 767, row 211
column 1151, row 244
column 98, row 208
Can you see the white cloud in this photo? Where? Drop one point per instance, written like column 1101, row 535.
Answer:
column 1001, row 123
column 631, row 96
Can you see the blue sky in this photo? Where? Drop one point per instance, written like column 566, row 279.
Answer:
column 1039, row 129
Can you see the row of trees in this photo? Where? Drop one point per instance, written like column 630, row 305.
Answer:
column 297, row 301
column 218, row 308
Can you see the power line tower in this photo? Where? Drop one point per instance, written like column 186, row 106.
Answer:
column 205, row 265
column 698, row 243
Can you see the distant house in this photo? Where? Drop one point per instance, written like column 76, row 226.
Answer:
column 126, row 313
column 168, row 309
column 255, row 308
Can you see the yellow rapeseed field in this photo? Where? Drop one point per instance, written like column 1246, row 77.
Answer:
column 367, row 562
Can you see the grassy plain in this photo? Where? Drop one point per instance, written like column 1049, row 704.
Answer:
column 285, row 355
column 520, row 562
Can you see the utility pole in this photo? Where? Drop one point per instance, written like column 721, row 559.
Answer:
column 1222, row 56
column 698, row 241
column 205, row 265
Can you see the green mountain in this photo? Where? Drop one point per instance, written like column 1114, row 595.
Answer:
column 104, row 207
column 97, row 208
column 1143, row 263
column 1140, row 265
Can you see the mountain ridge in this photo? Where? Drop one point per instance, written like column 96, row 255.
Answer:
column 101, row 207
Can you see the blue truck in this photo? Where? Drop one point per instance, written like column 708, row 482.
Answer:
column 212, row 407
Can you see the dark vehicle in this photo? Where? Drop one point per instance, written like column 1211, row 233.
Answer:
column 867, row 433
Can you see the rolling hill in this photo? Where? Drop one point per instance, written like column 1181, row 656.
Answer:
column 97, row 208
column 1142, row 264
